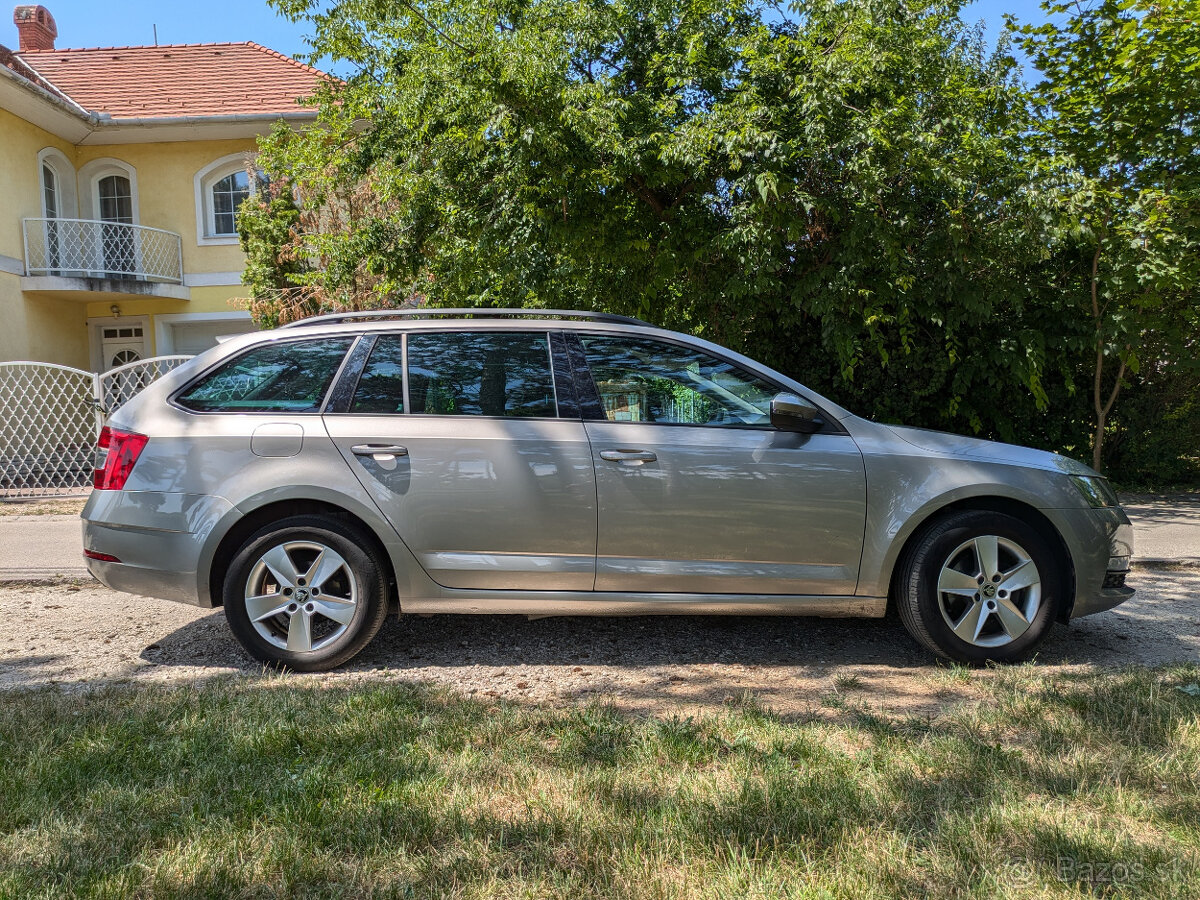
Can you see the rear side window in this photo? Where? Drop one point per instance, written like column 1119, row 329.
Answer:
column 381, row 386
column 480, row 374
column 276, row 377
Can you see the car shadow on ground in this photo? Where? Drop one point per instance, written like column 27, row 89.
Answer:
column 424, row 642
column 1160, row 626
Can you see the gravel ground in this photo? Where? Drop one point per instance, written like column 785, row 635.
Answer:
column 83, row 635
column 67, row 506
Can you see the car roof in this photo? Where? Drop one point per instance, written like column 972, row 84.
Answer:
column 454, row 319
column 464, row 314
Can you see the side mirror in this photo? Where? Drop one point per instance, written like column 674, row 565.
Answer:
column 791, row 413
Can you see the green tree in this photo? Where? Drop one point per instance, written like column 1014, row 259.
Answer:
column 841, row 191
column 301, row 237
column 1119, row 110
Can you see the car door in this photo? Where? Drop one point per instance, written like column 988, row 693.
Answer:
column 697, row 492
column 476, row 456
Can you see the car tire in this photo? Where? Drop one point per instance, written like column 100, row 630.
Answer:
column 954, row 607
column 306, row 593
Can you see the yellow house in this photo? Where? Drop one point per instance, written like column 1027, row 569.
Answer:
column 120, row 170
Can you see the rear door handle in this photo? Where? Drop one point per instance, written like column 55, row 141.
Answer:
column 639, row 456
column 379, row 450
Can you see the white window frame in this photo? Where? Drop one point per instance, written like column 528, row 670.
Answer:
column 90, row 176
column 57, row 162
column 203, row 184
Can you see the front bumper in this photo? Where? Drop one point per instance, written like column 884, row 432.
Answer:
column 1101, row 545
column 158, row 537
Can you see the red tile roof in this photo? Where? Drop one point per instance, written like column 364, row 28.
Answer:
column 177, row 79
column 10, row 60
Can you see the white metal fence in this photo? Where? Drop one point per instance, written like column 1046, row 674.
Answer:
column 117, row 386
column 50, row 417
column 86, row 248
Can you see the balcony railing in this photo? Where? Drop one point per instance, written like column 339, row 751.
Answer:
column 86, row 248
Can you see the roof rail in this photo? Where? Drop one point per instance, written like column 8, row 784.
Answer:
column 483, row 312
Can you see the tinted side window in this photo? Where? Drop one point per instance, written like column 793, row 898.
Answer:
column 381, row 387
column 480, row 374
column 277, row 377
column 642, row 380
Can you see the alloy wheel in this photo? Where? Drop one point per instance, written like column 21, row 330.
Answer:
column 301, row 595
column 989, row 591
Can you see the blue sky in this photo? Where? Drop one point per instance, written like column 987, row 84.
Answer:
column 120, row 23
column 105, row 23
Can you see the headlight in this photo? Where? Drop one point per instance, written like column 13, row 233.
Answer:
column 1096, row 491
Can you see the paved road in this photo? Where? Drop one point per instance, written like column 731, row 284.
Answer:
column 1165, row 529
column 49, row 546
column 40, row 547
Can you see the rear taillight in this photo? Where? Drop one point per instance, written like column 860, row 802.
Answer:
column 116, row 453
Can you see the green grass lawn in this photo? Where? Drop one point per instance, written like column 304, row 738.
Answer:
column 1052, row 785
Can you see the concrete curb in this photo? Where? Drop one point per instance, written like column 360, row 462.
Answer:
column 1183, row 562
column 25, row 579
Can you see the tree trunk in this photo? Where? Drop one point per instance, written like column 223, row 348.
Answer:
column 1102, row 406
column 1098, row 437
column 1097, row 443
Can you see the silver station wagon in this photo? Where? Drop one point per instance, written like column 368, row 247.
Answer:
column 569, row 463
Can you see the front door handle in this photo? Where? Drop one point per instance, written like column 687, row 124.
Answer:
column 379, row 450
column 638, row 456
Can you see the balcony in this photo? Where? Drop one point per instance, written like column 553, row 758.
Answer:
column 94, row 257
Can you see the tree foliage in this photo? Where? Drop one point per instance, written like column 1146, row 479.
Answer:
column 1117, row 126
column 851, row 191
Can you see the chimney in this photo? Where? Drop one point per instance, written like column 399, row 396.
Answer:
column 36, row 28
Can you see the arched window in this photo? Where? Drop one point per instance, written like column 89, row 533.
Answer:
column 221, row 187
column 58, row 202
column 108, row 191
column 116, row 199
column 227, row 196
column 50, row 199
column 58, row 184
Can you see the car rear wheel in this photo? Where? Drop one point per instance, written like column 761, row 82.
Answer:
column 979, row 586
column 304, row 594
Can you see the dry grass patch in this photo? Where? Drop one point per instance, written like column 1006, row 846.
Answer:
column 71, row 506
column 1069, row 785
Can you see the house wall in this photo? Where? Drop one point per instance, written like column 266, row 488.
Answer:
column 205, row 301
column 166, row 175
column 53, row 326
column 20, row 188
column 166, row 193
column 44, row 329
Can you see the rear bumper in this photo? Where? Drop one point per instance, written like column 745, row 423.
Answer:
column 158, row 537
column 147, row 582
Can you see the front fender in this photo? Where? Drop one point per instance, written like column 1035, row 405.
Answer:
column 908, row 486
column 890, row 527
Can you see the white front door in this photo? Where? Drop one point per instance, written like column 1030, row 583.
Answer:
column 121, row 344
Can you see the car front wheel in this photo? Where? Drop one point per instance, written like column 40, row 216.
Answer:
column 979, row 586
column 303, row 594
